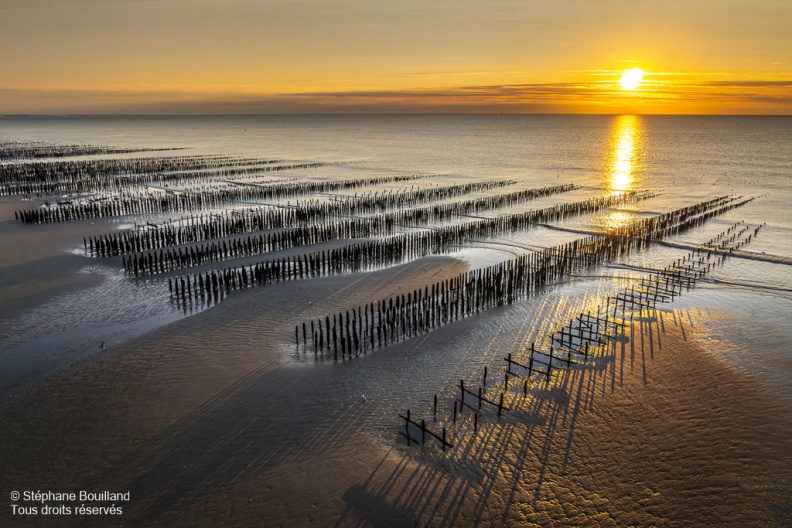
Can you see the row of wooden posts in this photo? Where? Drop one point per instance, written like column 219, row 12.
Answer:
column 352, row 258
column 27, row 150
column 586, row 335
column 384, row 201
column 213, row 286
column 355, row 256
column 394, row 319
column 146, row 202
column 53, row 171
column 365, row 255
column 96, row 175
column 88, row 188
column 310, row 211
column 307, row 229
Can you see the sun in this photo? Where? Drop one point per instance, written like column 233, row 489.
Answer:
column 631, row 78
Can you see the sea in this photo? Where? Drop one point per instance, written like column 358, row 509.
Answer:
column 742, row 309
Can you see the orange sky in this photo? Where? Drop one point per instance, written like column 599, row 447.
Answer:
column 311, row 56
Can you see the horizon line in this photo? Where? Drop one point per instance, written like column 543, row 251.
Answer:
column 280, row 114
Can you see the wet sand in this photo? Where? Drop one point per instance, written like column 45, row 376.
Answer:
column 217, row 420
column 40, row 263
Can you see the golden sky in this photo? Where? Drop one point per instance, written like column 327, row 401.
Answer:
column 311, row 56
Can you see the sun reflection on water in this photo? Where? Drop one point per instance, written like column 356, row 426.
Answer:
column 622, row 168
column 625, row 152
column 615, row 219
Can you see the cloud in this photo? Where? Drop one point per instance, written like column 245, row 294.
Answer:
column 755, row 84
column 670, row 95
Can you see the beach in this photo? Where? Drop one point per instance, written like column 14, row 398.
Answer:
column 216, row 407
column 661, row 433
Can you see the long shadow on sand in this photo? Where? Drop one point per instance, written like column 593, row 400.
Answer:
column 524, row 467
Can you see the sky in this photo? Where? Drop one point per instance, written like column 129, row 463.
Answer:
column 406, row 56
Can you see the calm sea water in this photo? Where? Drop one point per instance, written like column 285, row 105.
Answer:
column 689, row 158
